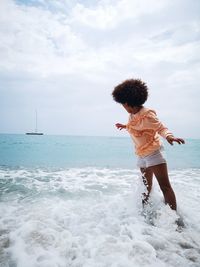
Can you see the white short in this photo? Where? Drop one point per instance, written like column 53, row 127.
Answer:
column 153, row 159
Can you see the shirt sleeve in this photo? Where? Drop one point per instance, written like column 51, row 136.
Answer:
column 150, row 121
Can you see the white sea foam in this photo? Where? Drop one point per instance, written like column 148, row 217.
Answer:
column 93, row 217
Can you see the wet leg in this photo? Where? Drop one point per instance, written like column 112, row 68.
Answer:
column 161, row 174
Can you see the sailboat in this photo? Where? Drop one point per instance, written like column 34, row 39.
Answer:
column 36, row 131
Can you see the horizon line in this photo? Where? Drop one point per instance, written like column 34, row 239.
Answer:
column 83, row 135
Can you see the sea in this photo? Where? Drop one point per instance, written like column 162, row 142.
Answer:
column 75, row 201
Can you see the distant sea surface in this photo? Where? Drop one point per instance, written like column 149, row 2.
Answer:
column 75, row 151
column 75, row 201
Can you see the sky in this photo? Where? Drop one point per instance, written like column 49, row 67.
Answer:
column 63, row 58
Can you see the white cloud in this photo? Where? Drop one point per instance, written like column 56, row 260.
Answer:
column 35, row 40
column 108, row 14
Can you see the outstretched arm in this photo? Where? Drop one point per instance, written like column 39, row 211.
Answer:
column 170, row 139
column 154, row 122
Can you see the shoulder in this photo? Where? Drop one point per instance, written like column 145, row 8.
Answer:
column 148, row 112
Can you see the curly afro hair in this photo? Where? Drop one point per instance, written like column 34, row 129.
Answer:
column 134, row 92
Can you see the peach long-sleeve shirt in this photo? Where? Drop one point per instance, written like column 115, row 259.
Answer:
column 144, row 128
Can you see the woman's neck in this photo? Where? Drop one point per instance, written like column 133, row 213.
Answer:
column 136, row 109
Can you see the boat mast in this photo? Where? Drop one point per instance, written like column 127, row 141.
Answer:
column 36, row 121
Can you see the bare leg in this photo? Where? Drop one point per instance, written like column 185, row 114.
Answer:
column 147, row 176
column 161, row 174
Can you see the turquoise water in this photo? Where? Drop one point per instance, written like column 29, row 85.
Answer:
column 69, row 201
column 79, row 151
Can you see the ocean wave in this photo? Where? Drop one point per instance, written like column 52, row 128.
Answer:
column 93, row 217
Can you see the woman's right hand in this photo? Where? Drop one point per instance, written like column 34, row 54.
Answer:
column 120, row 126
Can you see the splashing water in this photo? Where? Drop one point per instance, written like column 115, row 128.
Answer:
column 92, row 217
